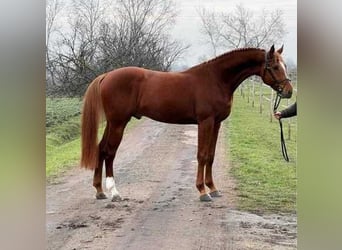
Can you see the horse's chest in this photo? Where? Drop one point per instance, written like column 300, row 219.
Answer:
column 223, row 110
column 224, row 114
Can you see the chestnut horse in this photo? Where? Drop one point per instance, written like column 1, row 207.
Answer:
column 201, row 95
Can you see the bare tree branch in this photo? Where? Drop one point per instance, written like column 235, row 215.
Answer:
column 53, row 8
column 242, row 28
column 135, row 33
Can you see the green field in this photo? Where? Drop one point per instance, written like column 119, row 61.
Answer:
column 265, row 181
column 63, row 142
column 62, row 134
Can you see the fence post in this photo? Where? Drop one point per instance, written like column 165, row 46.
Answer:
column 248, row 90
column 282, row 105
column 271, row 107
column 260, row 97
column 253, row 87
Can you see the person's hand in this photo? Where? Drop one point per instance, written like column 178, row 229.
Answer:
column 277, row 115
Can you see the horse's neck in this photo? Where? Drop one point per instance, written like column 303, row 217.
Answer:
column 238, row 66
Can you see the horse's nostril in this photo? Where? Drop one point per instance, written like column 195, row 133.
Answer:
column 288, row 94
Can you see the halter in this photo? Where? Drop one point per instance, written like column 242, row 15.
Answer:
column 269, row 69
column 282, row 140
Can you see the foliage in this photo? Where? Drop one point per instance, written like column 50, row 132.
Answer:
column 265, row 181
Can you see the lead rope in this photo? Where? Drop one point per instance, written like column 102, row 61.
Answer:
column 282, row 140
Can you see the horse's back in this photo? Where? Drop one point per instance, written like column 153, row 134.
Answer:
column 123, row 77
column 120, row 91
column 163, row 96
column 168, row 97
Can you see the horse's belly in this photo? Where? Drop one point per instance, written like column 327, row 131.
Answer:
column 174, row 120
column 167, row 110
column 167, row 115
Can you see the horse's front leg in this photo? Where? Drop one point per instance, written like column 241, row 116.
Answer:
column 205, row 131
column 209, row 182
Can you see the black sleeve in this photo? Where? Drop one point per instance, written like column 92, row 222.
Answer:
column 290, row 111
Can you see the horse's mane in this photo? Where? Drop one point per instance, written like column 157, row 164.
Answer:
column 227, row 54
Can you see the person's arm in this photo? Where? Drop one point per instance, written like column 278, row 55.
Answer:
column 289, row 112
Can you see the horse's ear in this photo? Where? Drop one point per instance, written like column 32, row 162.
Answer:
column 281, row 49
column 270, row 53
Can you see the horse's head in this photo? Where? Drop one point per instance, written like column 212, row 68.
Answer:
column 274, row 73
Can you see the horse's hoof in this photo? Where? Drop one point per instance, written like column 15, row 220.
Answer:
column 116, row 198
column 101, row 196
column 216, row 194
column 205, row 197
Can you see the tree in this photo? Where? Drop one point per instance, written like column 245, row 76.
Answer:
column 210, row 28
column 242, row 28
column 75, row 60
column 53, row 9
column 102, row 37
column 139, row 35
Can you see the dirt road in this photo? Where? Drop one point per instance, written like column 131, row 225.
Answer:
column 155, row 173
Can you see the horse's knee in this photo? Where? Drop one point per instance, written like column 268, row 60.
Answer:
column 202, row 158
column 210, row 160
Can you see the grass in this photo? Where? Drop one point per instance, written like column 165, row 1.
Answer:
column 60, row 157
column 63, row 141
column 62, row 134
column 59, row 110
column 265, row 181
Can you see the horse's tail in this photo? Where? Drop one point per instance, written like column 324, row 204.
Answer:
column 91, row 115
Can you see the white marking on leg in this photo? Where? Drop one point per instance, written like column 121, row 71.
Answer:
column 110, row 185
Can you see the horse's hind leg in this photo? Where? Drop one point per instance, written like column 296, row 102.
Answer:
column 97, row 181
column 110, row 182
column 114, row 138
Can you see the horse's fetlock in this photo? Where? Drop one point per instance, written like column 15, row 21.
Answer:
column 200, row 186
column 209, row 183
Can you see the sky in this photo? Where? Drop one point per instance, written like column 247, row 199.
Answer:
column 187, row 25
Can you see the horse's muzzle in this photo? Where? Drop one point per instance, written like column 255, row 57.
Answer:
column 286, row 94
column 286, row 90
